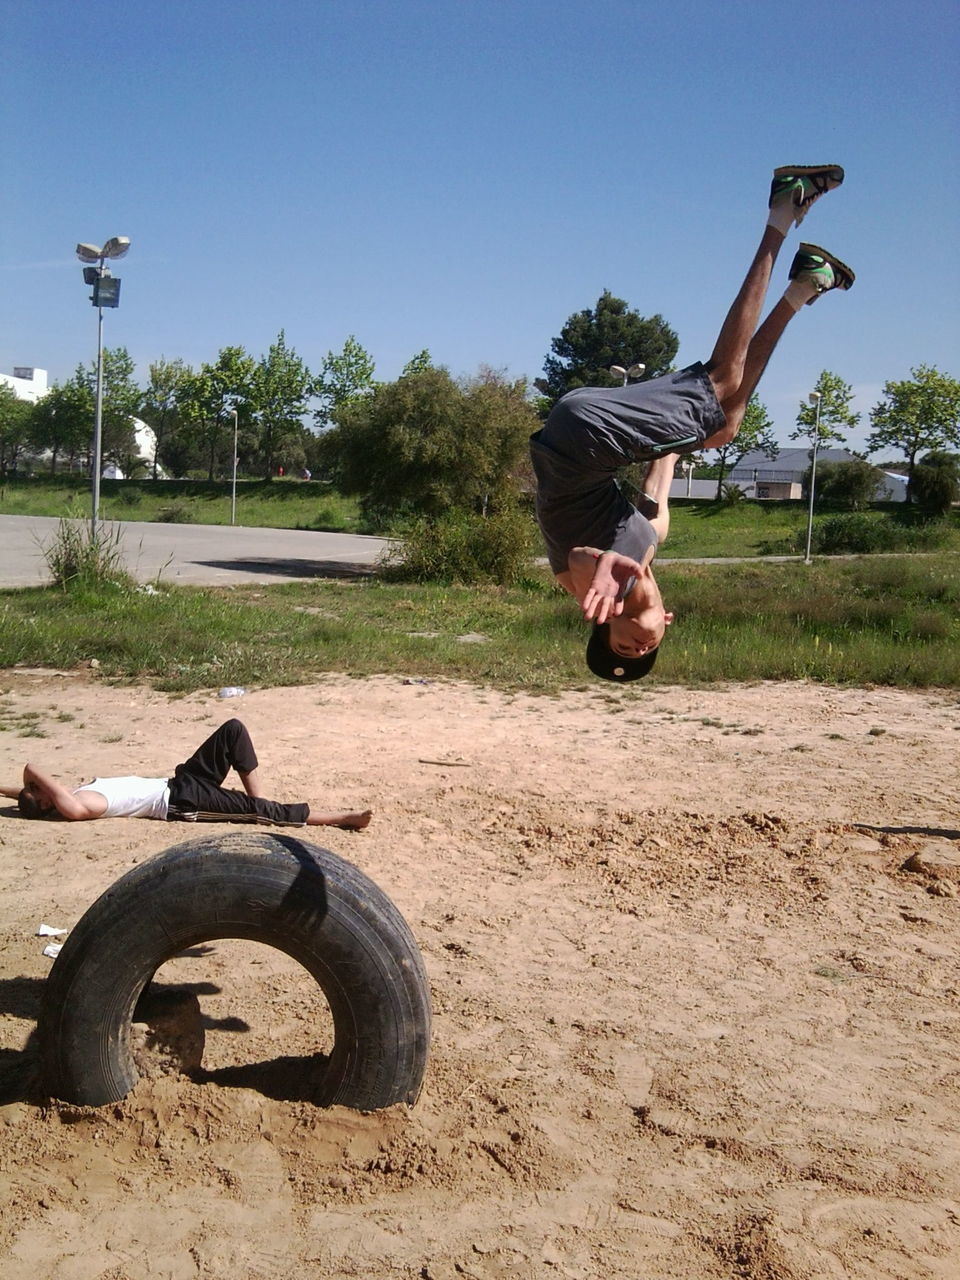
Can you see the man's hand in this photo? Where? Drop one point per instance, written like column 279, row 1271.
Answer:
column 603, row 599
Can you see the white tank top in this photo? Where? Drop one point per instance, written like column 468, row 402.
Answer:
column 132, row 797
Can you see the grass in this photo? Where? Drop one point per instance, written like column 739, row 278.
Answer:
column 886, row 621
column 261, row 504
column 696, row 529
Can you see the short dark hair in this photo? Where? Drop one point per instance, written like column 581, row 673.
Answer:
column 29, row 805
column 606, row 664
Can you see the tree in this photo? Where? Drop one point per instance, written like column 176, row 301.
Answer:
column 342, row 379
column 846, row 484
column 121, row 404
column 280, row 387
column 591, row 341
column 417, row 364
column 159, row 406
column 206, row 398
column 425, row 443
column 936, row 482
column 14, row 428
column 922, row 412
column 62, row 422
column 835, row 413
column 755, row 435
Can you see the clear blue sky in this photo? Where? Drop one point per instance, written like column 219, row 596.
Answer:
column 462, row 175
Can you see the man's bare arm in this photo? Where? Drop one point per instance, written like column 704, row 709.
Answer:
column 656, row 485
column 75, row 808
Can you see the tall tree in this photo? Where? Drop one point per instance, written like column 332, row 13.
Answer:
column 835, row 414
column 14, row 428
column 920, row 413
column 280, row 387
column 425, row 443
column 62, row 422
column 343, row 378
column 159, row 407
column 207, row 397
column 609, row 334
column 121, row 404
column 755, row 435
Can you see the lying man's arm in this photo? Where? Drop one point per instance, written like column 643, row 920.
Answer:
column 596, row 579
column 73, row 807
column 656, row 487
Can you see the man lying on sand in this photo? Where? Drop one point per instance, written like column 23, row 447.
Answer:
column 195, row 793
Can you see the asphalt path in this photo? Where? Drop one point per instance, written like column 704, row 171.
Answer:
column 197, row 554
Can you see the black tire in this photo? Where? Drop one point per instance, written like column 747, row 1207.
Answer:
column 270, row 888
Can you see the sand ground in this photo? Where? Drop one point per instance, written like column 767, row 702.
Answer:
column 695, row 976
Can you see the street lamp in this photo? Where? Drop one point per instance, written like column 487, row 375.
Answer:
column 106, row 293
column 815, row 398
column 634, row 371
column 233, row 485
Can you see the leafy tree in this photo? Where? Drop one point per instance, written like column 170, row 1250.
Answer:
column 922, row 412
column 936, row 482
column 610, row 334
column 159, row 407
column 280, row 387
column 62, row 422
column 121, row 404
column 835, row 413
column 755, row 435
column 342, row 379
column 206, row 399
column 14, row 428
column 425, row 444
column 846, row 484
column 417, row 364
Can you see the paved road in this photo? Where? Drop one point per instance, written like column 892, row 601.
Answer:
column 197, row 554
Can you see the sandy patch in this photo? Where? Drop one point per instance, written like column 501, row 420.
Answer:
column 695, row 977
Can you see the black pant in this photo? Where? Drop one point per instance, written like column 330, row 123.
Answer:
column 197, row 793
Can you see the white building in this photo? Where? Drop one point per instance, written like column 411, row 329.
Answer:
column 27, row 384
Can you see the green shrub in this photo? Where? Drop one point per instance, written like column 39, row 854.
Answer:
column 80, row 556
column 175, row 513
column 464, row 547
column 863, row 534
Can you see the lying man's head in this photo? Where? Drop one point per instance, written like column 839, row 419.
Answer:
column 626, row 647
column 33, row 806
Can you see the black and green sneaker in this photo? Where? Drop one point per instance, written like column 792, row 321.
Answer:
column 802, row 184
column 822, row 269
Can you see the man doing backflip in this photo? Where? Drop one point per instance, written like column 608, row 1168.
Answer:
column 195, row 793
column 600, row 546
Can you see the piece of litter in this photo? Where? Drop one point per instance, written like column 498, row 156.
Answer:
column 48, row 931
column 465, row 764
column 52, row 949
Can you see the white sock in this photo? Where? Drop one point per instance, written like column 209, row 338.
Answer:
column 799, row 292
column 782, row 216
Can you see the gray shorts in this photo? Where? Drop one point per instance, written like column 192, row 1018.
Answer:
column 604, row 428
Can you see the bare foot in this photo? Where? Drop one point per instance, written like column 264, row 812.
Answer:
column 348, row 821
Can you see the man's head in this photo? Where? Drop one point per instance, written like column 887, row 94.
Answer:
column 626, row 647
column 31, row 806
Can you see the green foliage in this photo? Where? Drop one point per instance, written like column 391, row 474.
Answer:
column 936, row 482
column 280, row 387
column 846, row 484
column 755, row 435
column 466, row 548
column 82, row 557
column 859, row 534
column 14, row 428
column 62, row 422
column 159, row 406
column 205, row 402
column 732, row 495
column 919, row 413
column 425, row 443
column 344, row 377
column 826, row 422
column 610, row 334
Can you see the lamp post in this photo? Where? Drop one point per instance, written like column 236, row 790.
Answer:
column 634, row 371
column 106, row 293
column 233, row 484
column 814, row 397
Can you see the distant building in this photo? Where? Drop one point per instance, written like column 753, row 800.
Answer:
column 781, row 477
column 27, row 384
